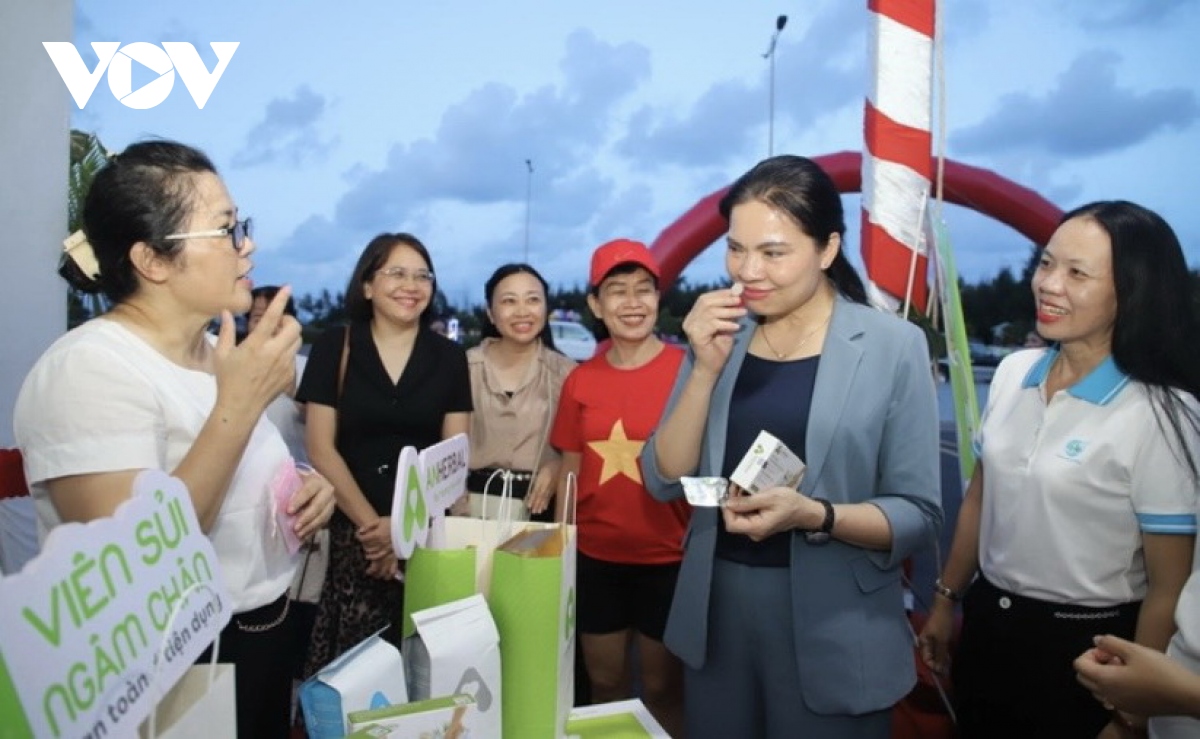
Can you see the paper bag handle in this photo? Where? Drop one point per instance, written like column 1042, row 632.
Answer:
column 504, row 511
column 152, row 719
column 570, row 505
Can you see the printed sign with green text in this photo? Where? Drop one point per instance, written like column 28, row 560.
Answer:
column 108, row 617
column 427, row 483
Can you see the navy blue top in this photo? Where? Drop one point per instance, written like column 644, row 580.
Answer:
column 774, row 397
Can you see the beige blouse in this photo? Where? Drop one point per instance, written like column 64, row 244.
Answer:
column 512, row 432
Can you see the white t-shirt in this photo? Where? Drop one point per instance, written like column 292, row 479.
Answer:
column 102, row 400
column 285, row 413
column 1071, row 485
column 1184, row 649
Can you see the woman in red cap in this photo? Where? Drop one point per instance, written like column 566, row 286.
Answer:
column 630, row 545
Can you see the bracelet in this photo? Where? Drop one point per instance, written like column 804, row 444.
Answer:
column 940, row 588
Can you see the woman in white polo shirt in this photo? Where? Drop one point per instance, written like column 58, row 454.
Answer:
column 1080, row 517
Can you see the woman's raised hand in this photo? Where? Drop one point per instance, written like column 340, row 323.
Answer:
column 253, row 373
column 711, row 324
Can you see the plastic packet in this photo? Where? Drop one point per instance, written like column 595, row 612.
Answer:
column 705, row 492
column 284, row 486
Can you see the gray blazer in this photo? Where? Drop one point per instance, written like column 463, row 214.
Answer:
column 872, row 436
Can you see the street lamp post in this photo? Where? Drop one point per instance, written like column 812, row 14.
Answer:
column 528, row 200
column 780, row 22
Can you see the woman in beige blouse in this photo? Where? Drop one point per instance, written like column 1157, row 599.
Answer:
column 516, row 377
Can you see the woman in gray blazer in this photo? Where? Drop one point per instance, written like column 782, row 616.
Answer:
column 788, row 612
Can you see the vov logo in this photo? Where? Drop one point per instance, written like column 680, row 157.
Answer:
column 118, row 61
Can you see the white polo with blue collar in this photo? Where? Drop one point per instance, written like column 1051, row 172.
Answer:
column 1070, row 486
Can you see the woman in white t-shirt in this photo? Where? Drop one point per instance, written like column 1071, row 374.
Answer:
column 146, row 386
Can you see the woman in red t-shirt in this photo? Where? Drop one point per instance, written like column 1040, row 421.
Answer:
column 630, row 545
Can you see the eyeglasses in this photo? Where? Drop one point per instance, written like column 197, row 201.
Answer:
column 400, row 274
column 240, row 231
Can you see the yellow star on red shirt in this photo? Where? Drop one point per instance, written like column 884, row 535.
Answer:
column 620, row 454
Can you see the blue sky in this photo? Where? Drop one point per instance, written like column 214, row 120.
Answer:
column 336, row 121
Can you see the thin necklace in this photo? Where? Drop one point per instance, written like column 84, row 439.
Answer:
column 784, row 355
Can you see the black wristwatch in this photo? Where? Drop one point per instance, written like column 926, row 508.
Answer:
column 825, row 533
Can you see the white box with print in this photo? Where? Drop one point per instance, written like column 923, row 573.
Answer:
column 768, row 464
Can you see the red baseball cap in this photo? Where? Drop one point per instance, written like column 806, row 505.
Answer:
column 617, row 252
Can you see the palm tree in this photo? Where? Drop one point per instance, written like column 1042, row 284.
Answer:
column 88, row 156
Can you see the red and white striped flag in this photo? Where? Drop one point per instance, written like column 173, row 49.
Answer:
column 897, row 167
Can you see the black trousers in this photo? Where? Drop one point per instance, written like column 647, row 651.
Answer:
column 264, row 663
column 1013, row 673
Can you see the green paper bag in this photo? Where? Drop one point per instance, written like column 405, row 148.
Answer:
column 435, row 577
column 628, row 719
column 457, row 560
column 533, row 603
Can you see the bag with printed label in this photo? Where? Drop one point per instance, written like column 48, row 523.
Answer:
column 371, row 675
column 532, row 597
column 456, row 651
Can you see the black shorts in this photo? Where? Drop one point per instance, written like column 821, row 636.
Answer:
column 614, row 596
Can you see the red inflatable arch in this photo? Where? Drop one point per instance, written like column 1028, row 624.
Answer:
column 984, row 191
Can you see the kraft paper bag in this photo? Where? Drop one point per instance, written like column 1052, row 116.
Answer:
column 202, row 704
column 457, row 651
column 371, row 675
column 533, row 602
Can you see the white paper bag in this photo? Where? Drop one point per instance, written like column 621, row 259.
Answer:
column 457, row 650
column 202, row 705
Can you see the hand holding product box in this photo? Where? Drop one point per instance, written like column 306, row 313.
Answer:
column 768, row 464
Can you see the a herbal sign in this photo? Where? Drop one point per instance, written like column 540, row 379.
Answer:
column 108, row 617
column 426, row 485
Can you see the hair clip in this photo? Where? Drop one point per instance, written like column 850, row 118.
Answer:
column 79, row 249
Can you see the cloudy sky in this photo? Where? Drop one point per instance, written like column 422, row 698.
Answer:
column 336, row 121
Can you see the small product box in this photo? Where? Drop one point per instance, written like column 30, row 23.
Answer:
column 768, row 464
column 448, row 717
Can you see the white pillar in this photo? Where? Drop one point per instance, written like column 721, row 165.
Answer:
column 34, row 156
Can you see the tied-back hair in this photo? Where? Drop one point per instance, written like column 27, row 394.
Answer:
column 799, row 187
column 489, row 330
column 372, row 259
column 142, row 195
column 1156, row 330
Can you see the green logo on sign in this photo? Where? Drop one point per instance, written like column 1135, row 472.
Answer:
column 414, row 505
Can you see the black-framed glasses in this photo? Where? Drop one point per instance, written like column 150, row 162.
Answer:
column 400, row 274
column 239, row 231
